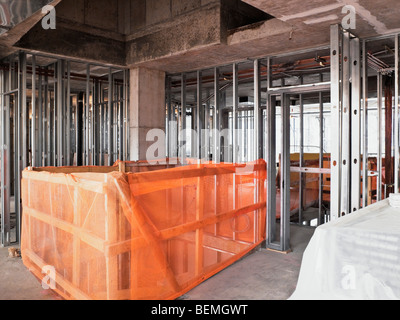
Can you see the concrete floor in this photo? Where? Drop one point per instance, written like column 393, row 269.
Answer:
column 262, row 275
column 17, row 283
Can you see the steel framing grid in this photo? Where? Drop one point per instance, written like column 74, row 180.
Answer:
column 396, row 117
column 345, row 126
column 42, row 120
column 365, row 125
column 219, row 121
column 349, row 124
column 350, row 138
column 355, row 124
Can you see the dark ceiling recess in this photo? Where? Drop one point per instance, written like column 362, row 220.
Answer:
column 238, row 14
column 16, row 11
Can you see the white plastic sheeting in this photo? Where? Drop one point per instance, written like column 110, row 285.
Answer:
column 354, row 257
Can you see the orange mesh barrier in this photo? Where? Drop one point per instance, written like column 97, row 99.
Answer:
column 144, row 235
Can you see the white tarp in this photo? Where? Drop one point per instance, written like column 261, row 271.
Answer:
column 354, row 257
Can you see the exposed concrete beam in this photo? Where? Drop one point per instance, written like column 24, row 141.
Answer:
column 8, row 39
column 198, row 29
column 373, row 17
column 72, row 43
column 258, row 31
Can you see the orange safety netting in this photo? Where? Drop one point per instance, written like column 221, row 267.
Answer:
column 143, row 235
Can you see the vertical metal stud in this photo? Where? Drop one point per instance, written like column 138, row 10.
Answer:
column 301, row 164
column 87, row 116
column 169, row 117
column 60, row 113
column 101, row 127
column 53, row 116
column 355, row 124
column 110, row 119
column 183, row 120
column 285, row 177
column 345, row 141
column 199, row 118
column 206, row 126
column 335, row 121
column 365, row 124
column 115, row 121
column 5, row 199
column 379, row 138
column 216, row 118
column 33, row 132
column 40, row 121
column 126, row 116
column 321, row 219
column 68, row 155
column 258, row 141
column 271, row 171
column 235, row 113
column 47, row 119
column 396, row 122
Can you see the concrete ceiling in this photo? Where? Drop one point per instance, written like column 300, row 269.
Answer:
column 19, row 17
column 298, row 25
column 189, row 42
column 372, row 17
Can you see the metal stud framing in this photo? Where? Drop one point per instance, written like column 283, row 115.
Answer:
column 37, row 97
column 345, row 123
column 285, row 176
column 199, row 118
column 397, row 115
column 258, row 140
column 355, row 124
column 235, row 98
column 216, row 118
column 379, row 137
column 365, row 125
column 335, row 122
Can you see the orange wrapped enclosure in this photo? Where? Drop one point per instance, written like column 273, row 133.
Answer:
column 144, row 235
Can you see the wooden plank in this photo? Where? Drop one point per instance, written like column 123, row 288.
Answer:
column 119, row 295
column 145, row 187
column 59, row 279
column 62, row 179
column 219, row 244
column 111, row 236
column 193, row 172
column 71, row 170
column 192, row 226
column 85, row 236
column 140, row 221
column 114, row 249
column 76, row 246
column 122, row 167
column 199, row 250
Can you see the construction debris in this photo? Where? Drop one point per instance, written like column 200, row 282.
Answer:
column 14, row 253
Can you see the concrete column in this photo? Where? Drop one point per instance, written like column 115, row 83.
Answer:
column 147, row 109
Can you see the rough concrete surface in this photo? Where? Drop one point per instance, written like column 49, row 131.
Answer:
column 263, row 275
column 17, row 283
